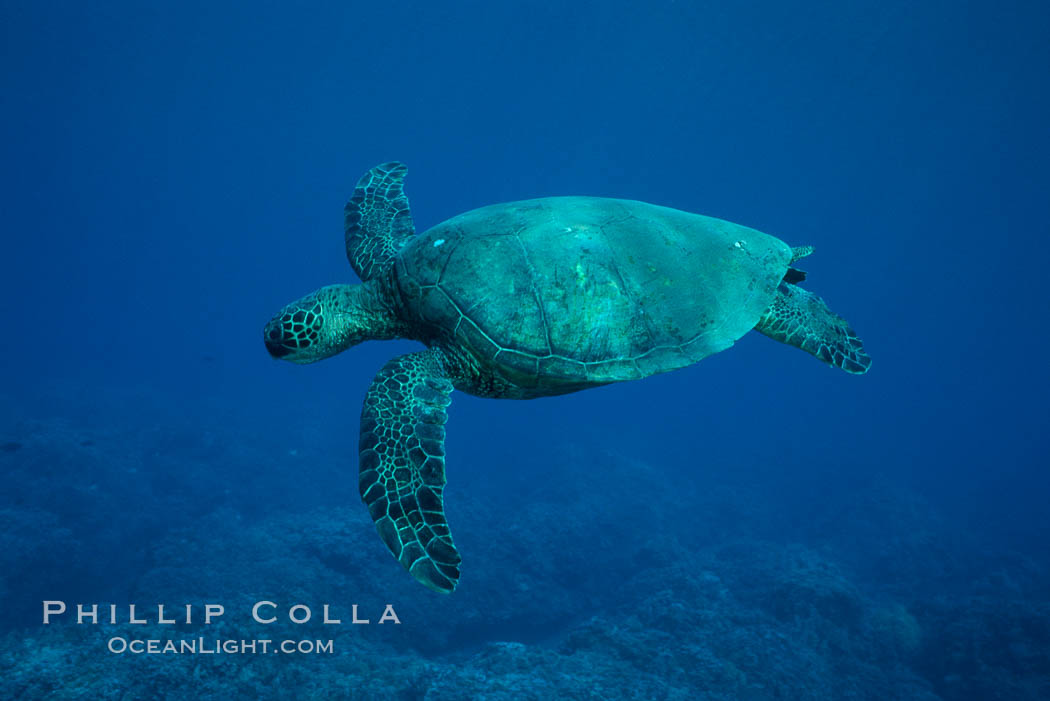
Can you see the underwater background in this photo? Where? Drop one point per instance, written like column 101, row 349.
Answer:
column 757, row 526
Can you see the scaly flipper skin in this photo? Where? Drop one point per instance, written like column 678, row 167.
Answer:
column 403, row 466
column 377, row 221
column 799, row 318
column 798, row 252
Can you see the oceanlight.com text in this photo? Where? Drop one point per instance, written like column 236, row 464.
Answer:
column 215, row 646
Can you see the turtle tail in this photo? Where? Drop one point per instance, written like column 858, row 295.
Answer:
column 794, row 275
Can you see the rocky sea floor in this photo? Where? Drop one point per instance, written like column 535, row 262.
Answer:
column 624, row 587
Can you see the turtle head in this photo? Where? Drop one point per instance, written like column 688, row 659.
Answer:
column 326, row 322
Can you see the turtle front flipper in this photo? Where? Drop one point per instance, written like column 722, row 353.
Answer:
column 377, row 220
column 402, row 466
column 800, row 318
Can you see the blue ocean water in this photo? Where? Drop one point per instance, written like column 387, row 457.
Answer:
column 756, row 526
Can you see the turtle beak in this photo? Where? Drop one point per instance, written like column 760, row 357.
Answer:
column 273, row 336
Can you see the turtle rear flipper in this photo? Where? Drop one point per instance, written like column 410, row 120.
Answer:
column 800, row 318
column 402, row 466
column 377, row 220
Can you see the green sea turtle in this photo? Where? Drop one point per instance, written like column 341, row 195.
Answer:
column 531, row 299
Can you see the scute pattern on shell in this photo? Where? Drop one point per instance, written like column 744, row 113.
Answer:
column 562, row 293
